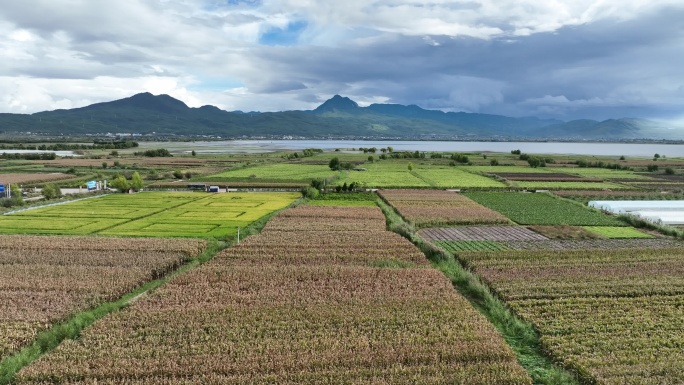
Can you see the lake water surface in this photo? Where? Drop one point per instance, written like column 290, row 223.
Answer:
column 576, row 148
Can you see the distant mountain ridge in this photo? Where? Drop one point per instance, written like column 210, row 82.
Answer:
column 337, row 117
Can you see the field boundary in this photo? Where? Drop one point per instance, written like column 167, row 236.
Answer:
column 520, row 335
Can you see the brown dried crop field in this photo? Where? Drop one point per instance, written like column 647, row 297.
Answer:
column 142, row 161
column 659, row 186
column 46, row 279
column 334, row 212
column 325, row 247
column 608, row 193
column 481, row 233
column 39, row 242
column 329, row 218
column 11, row 178
column 252, row 316
column 563, row 232
column 612, row 316
column 429, row 208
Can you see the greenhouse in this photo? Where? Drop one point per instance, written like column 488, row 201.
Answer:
column 661, row 211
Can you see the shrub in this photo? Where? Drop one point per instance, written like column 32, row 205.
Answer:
column 310, row 192
column 51, row 191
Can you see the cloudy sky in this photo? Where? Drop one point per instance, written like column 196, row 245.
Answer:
column 554, row 58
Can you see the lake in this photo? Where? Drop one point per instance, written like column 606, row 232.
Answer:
column 58, row 153
column 573, row 148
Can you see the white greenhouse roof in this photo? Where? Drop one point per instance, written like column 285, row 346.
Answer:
column 660, row 211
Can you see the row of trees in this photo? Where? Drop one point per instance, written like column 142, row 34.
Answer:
column 160, row 152
column 373, row 150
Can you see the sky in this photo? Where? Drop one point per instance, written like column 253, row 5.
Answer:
column 564, row 59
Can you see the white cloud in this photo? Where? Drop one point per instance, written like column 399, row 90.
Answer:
column 479, row 55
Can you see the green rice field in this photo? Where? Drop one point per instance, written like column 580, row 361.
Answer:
column 149, row 215
column 542, row 209
column 284, row 172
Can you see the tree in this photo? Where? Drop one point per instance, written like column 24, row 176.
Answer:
column 120, row 183
column 104, row 164
column 136, row 181
column 15, row 191
column 334, row 164
column 390, row 149
column 534, row 162
column 494, row 162
column 410, row 166
column 193, row 153
column 370, row 158
column 51, row 191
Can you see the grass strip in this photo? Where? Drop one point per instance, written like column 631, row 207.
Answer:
column 71, row 328
column 520, row 335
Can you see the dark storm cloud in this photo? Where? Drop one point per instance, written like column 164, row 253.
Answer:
column 597, row 70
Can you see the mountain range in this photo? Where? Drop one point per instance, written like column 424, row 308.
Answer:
column 338, row 117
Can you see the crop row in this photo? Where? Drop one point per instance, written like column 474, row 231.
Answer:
column 294, row 307
column 542, row 209
column 439, row 208
column 46, row 279
column 565, row 185
column 589, row 244
column 481, row 233
column 613, row 316
column 459, row 246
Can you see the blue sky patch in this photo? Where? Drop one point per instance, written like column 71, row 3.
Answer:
column 287, row 36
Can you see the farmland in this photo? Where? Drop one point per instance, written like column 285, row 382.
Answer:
column 46, row 279
column 541, row 209
column 611, row 315
column 437, row 208
column 543, row 185
column 617, row 232
column 384, row 175
column 11, row 178
column 325, row 294
column 454, row 177
column 459, row 246
column 481, row 233
column 280, row 308
column 274, row 172
column 149, row 214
